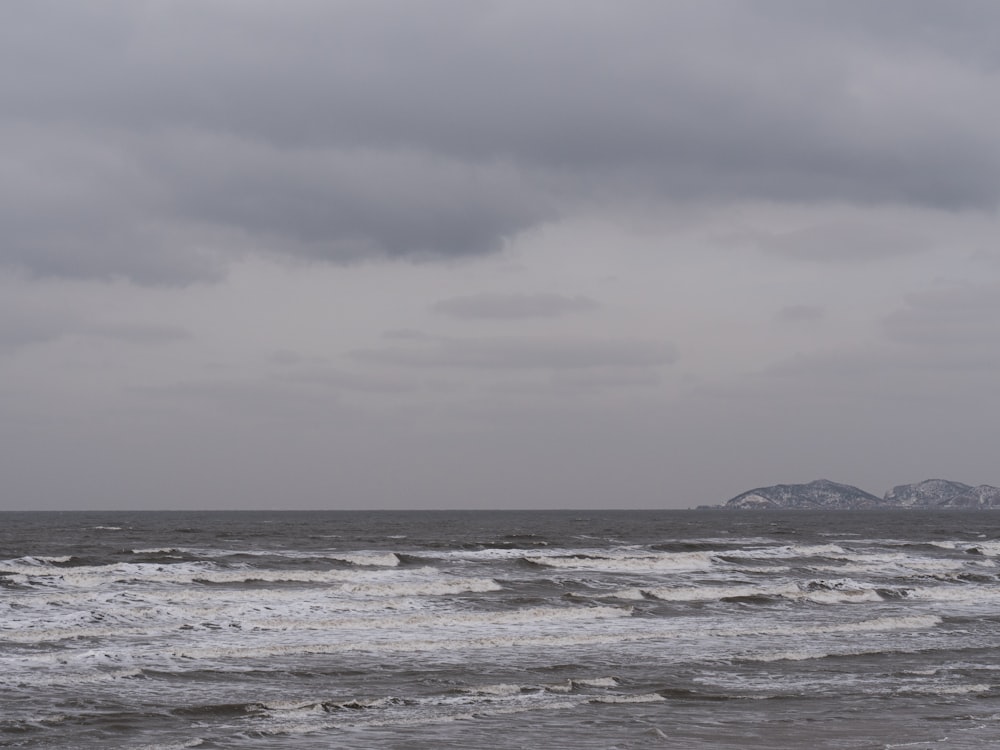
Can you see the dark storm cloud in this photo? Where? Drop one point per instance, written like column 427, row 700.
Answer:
column 509, row 306
column 188, row 130
column 524, row 353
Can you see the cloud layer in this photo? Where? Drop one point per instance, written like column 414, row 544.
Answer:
column 155, row 141
column 493, row 254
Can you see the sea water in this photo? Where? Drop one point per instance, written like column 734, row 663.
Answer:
column 569, row 629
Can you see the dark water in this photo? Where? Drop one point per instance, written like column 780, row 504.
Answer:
column 677, row 629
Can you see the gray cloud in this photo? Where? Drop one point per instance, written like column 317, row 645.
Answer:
column 695, row 166
column 75, row 202
column 192, row 131
column 19, row 328
column 948, row 332
column 358, row 382
column 342, row 204
column 23, row 325
column 800, row 313
column 846, row 241
column 136, row 333
column 513, row 306
column 956, row 324
column 608, row 377
column 524, row 353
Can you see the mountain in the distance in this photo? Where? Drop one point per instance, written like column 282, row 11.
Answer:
column 824, row 494
column 821, row 493
column 941, row 493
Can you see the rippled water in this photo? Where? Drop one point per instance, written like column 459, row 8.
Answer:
column 679, row 629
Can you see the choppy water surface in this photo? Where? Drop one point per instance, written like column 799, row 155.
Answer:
column 678, row 629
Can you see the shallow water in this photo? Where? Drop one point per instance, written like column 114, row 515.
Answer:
column 679, row 629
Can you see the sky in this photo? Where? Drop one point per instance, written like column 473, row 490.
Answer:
column 452, row 254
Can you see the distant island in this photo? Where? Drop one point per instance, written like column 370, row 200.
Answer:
column 823, row 494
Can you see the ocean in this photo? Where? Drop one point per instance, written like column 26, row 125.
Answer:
column 569, row 629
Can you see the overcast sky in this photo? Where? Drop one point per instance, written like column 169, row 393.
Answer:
column 450, row 254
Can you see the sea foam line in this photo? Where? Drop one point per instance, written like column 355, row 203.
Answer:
column 630, row 630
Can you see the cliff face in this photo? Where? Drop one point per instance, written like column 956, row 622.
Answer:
column 824, row 494
column 821, row 493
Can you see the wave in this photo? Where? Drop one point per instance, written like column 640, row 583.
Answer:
column 271, row 718
column 280, row 623
column 568, row 686
column 642, row 698
column 989, row 548
column 195, row 742
column 841, row 591
column 448, row 637
column 787, row 551
column 428, row 588
column 903, row 566
column 705, row 593
column 879, row 624
column 157, row 551
column 364, row 558
column 250, row 613
column 938, row 689
column 627, row 563
column 373, row 559
column 200, row 572
column 963, row 594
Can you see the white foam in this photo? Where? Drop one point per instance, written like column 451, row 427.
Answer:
column 500, row 553
column 382, row 559
column 937, row 689
column 643, row 698
column 707, row 593
column 196, row 742
column 174, row 573
column 44, row 635
column 842, row 591
column 393, row 603
column 34, row 562
column 433, row 631
column 903, row 566
column 969, row 595
column 990, row 548
column 639, row 563
column 159, row 551
column 879, row 624
column 842, row 596
column 442, row 712
column 808, row 654
column 442, row 587
column 505, row 688
column 353, row 557
column 596, row 682
column 574, row 684
column 786, row 551
column 501, row 699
